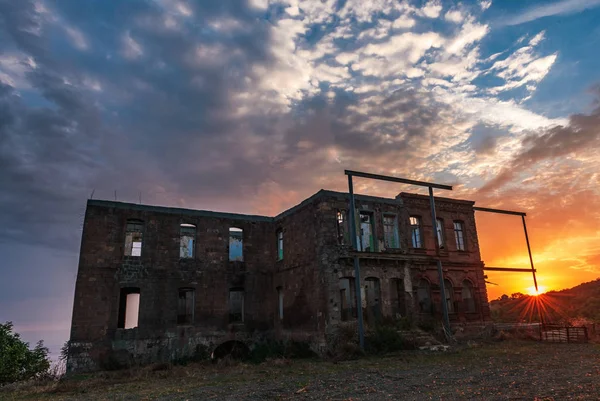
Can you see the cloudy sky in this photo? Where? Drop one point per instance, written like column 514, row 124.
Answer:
column 253, row 105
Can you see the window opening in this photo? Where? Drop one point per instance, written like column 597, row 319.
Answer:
column 366, row 243
column 372, row 299
column 424, row 296
column 187, row 238
column 133, row 238
column 236, row 305
column 415, row 228
column 459, row 233
column 279, row 244
column 129, row 308
column 342, row 227
column 390, row 231
column 397, row 297
column 280, row 302
column 185, row 306
column 449, row 292
column 347, row 298
column 467, row 296
column 439, row 223
column 236, row 246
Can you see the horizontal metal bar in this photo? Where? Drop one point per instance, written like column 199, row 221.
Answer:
column 396, row 179
column 509, row 269
column 487, row 209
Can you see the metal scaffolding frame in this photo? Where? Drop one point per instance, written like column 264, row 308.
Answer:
column 352, row 218
column 430, row 186
column 508, row 269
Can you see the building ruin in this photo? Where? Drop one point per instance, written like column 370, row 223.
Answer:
column 156, row 283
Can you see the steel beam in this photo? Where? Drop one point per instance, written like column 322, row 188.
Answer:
column 508, row 269
column 487, row 209
column 439, row 265
column 351, row 173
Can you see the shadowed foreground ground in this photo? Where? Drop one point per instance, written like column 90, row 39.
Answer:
column 508, row 370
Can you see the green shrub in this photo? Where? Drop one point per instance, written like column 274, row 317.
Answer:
column 384, row 339
column 17, row 361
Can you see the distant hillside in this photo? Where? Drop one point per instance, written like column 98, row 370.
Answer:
column 578, row 303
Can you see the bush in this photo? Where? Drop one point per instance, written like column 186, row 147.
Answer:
column 280, row 349
column 343, row 342
column 17, row 361
column 384, row 339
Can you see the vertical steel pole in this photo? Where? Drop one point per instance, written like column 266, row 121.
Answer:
column 537, row 301
column 359, row 314
column 439, row 264
column 530, row 258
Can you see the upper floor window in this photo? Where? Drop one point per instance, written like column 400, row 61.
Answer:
column 279, row 244
column 415, row 229
column 439, row 228
column 187, row 238
column 367, row 240
column 185, row 306
column 133, row 238
column 236, row 246
column 459, row 234
column 390, row 231
column 342, row 227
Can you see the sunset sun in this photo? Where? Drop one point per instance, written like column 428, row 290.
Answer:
column 532, row 291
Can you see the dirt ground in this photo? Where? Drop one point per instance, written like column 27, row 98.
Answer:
column 510, row 370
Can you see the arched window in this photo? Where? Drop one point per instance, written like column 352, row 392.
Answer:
column 424, row 296
column 372, row 299
column 449, row 292
column 468, row 298
column 397, row 297
column 347, row 298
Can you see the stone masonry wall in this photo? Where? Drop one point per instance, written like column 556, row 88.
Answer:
column 159, row 273
column 308, row 276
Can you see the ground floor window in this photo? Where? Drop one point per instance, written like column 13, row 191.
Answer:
column 129, row 308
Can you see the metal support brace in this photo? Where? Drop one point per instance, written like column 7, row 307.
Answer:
column 359, row 314
column 352, row 217
column 447, row 330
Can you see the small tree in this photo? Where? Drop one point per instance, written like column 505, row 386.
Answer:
column 17, row 361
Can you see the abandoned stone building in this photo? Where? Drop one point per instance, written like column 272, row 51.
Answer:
column 155, row 283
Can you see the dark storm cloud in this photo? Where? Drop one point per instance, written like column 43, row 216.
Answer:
column 162, row 121
column 53, row 156
column 582, row 134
